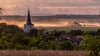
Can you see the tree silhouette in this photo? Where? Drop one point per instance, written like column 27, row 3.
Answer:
column 1, row 12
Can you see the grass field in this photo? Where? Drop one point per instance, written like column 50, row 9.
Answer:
column 41, row 53
column 71, row 28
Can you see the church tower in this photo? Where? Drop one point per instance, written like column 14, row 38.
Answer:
column 28, row 26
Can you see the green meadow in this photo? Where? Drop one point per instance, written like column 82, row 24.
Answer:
column 70, row 28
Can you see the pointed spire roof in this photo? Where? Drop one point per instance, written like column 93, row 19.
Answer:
column 29, row 18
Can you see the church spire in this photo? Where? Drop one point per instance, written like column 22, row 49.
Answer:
column 29, row 18
column 28, row 26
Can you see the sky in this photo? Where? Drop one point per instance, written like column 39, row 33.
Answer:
column 50, row 7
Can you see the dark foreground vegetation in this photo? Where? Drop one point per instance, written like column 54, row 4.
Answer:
column 12, row 37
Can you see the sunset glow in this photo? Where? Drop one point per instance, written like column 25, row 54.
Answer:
column 62, row 23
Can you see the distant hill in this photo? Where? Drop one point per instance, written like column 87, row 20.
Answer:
column 58, row 16
column 70, row 16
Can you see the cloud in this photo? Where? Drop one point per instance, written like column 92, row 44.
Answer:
column 73, row 3
column 72, row 10
column 48, row 7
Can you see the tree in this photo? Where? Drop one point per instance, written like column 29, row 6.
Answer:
column 1, row 10
column 98, row 32
column 5, row 41
column 76, row 32
column 33, row 32
column 92, row 44
column 13, row 29
column 67, row 45
column 92, row 33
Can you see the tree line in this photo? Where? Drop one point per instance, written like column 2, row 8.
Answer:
column 13, row 37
